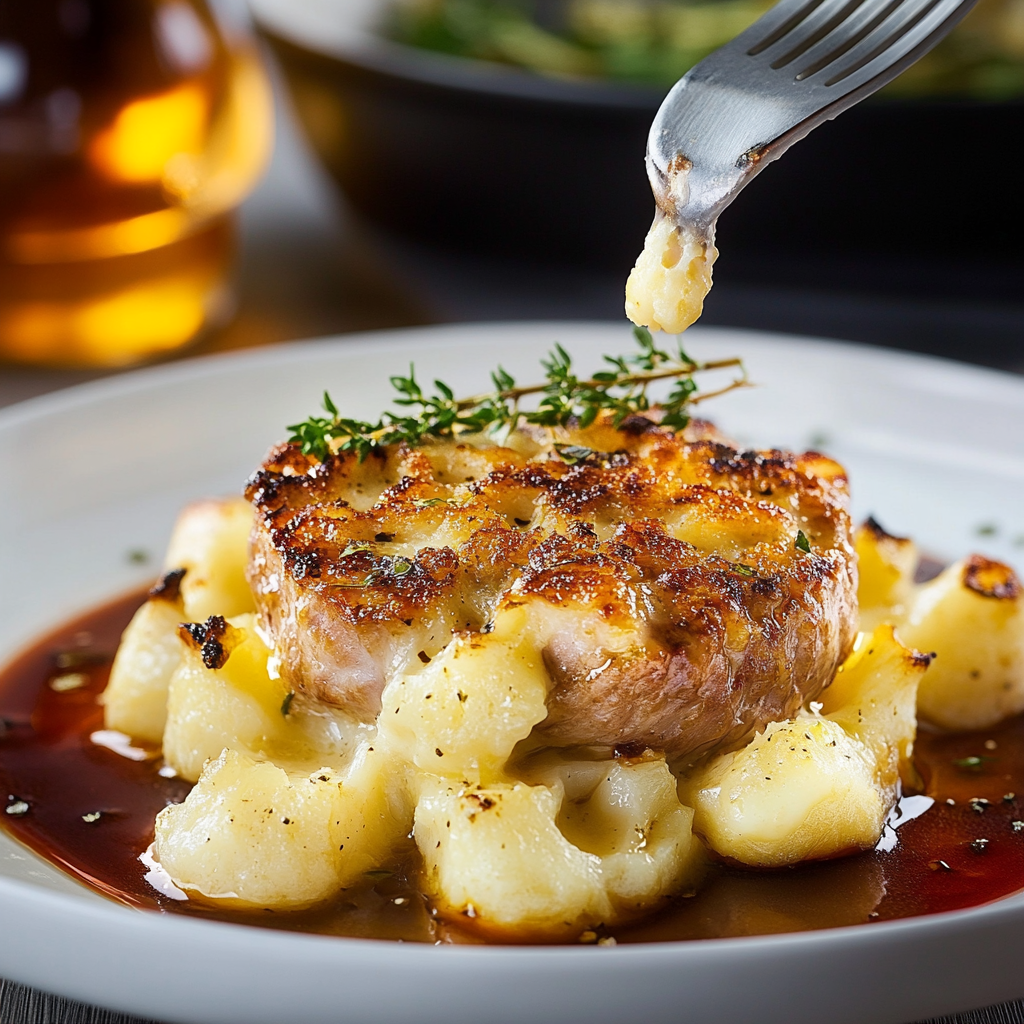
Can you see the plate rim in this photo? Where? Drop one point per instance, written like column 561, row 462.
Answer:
column 400, row 338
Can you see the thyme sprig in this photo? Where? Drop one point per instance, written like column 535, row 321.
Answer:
column 565, row 399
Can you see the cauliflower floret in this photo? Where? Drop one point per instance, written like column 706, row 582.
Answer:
column 206, row 576
column 972, row 617
column 236, row 702
column 225, row 702
column 256, row 835
column 526, row 860
column 823, row 783
column 135, row 700
column 463, row 714
column 885, row 571
column 211, row 543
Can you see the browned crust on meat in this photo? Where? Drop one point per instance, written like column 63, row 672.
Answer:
column 729, row 651
column 685, row 541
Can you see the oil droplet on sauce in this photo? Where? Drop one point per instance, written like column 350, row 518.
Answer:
column 90, row 811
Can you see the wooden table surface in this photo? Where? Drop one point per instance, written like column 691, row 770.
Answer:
column 309, row 269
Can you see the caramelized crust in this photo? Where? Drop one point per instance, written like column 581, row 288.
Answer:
column 678, row 611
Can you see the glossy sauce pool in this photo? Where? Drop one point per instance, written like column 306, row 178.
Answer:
column 90, row 810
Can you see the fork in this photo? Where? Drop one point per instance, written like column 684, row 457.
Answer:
column 802, row 63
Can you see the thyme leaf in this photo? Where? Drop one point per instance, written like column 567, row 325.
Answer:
column 619, row 388
column 573, row 454
column 354, row 549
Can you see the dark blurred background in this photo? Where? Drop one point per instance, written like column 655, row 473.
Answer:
column 409, row 185
column 500, row 192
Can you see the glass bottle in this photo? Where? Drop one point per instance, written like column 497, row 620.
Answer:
column 129, row 132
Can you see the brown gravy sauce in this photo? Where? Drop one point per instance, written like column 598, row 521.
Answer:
column 966, row 849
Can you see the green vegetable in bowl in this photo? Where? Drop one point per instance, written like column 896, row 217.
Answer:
column 646, row 41
column 982, row 58
column 654, row 42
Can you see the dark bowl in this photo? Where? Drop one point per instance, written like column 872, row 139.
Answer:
column 486, row 158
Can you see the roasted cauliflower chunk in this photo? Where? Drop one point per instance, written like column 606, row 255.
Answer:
column 205, row 575
column 885, row 566
column 221, row 695
column 821, row 784
column 462, row 714
column 211, row 543
column 254, row 834
column 632, row 819
column 873, row 697
column 972, row 617
column 135, row 700
column 524, row 860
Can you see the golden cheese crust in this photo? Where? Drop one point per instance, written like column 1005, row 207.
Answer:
column 680, row 611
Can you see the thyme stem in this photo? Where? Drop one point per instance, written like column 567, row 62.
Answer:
column 643, row 377
column 621, row 390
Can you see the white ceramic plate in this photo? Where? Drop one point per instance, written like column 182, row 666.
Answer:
column 934, row 449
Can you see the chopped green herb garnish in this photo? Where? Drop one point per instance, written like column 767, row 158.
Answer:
column 971, row 764
column 429, row 502
column 573, row 454
column 986, row 530
column 354, row 549
column 378, row 873
column 565, row 400
column 744, row 570
column 802, row 543
column 401, row 566
column 286, row 704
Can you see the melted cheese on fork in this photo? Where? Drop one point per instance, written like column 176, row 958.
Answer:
column 672, row 277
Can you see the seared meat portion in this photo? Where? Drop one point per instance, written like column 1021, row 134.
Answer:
column 682, row 610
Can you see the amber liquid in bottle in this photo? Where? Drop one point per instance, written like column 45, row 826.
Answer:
column 129, row 132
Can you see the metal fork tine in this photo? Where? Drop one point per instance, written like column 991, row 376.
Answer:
column 913, row 23
column 828, row 17
column 774, row 25
column 871, row 17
